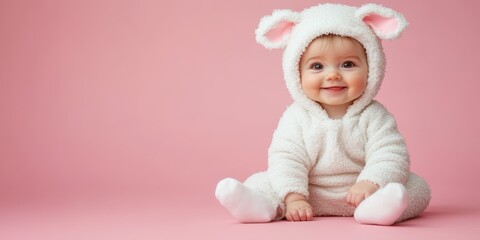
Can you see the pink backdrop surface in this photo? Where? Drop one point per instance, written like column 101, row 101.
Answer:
column 158, row 100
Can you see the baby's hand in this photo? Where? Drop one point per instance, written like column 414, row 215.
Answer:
column 360, row 191
column 297, row 209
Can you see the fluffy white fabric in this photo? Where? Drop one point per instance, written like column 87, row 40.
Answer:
column 334, row 154
column 268, row 22
column 378, row 10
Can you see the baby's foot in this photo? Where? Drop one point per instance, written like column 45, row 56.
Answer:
column 384, row 207
column 244, row 203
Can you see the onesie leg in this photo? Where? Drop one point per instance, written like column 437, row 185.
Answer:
column 420, row 195
column 245, row 203
column 384, row 207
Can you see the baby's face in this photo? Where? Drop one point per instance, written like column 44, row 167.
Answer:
column 334, row 71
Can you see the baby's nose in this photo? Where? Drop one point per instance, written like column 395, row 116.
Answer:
column 333, row 74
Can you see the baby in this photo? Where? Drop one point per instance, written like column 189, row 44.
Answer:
column 336, row 151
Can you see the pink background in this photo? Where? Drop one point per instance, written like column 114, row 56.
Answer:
column 155, row 101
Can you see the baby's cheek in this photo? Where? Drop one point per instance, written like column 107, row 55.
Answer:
column 357, row 86
column 310, row 83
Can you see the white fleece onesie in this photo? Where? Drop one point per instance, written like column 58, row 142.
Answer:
column 319, row 157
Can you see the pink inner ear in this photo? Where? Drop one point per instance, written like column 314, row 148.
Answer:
column 277, row 33
column 382, row 24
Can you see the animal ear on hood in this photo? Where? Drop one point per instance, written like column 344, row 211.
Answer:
column 385, row 22
column 273, row 31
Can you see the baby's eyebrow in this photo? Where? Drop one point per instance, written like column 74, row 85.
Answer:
column 312, row 58
column 352, row 56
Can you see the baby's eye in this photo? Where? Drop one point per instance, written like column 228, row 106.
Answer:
column 348, row 64
column 316, row 66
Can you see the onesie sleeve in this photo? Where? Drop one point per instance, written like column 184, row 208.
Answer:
column 387, row 158
column 288, row 161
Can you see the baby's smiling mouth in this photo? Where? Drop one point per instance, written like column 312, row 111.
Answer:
column 334, row 89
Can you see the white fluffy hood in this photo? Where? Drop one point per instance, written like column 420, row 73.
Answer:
column 293, row 31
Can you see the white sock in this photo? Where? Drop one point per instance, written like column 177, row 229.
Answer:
column 244, row 203
column 384, row 207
